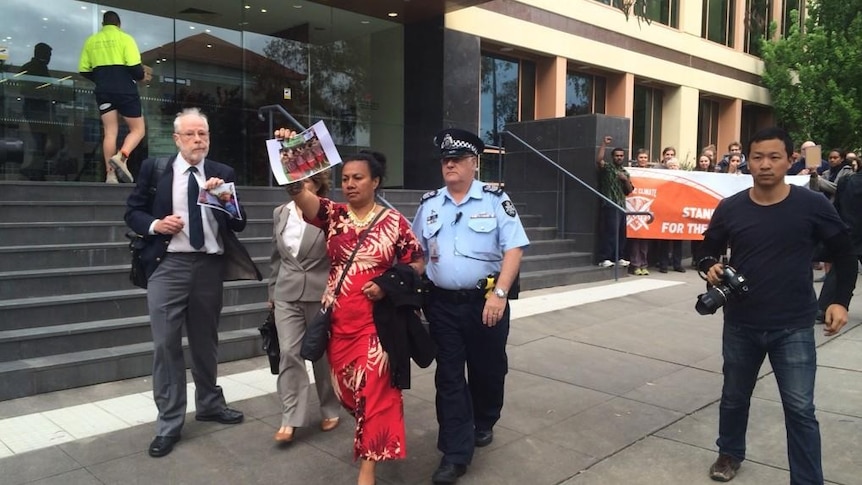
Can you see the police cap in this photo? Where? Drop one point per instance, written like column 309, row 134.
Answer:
column 456, row 143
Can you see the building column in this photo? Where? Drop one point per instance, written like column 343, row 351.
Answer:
column 679, row 122
column 729, row 124
column 739, row 25
column 691, row 18
column 621, row 97
column 551, row 87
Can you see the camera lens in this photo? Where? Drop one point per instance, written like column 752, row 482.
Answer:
column 709, row 302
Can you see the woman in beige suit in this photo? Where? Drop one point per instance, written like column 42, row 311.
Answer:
column 300, row 268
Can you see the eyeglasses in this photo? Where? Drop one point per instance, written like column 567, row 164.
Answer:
column 191, row 134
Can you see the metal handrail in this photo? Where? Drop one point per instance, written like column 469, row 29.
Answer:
column 620, row 210
column 270, row 110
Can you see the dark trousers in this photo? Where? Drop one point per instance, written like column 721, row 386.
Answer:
column 669, row 253
column 185, row 291
column 465, row 405
column 794, row 361
column 613, row 228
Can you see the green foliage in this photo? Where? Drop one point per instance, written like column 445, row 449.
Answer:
column 814, row 75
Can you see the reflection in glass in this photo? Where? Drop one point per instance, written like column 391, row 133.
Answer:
column 318, row 62
column 499, row 97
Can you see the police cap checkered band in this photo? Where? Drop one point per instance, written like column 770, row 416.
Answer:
column 454, row 142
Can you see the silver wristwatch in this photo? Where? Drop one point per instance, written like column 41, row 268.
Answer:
column 501, row 293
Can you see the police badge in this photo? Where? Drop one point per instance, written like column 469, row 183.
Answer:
column 509, row 208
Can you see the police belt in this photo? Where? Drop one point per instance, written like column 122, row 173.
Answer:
column 457, row 296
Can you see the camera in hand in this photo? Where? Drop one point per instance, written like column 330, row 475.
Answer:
column 733, row 285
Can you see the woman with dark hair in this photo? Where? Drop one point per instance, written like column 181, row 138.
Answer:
column 300, row 267
column 704, row 164
column 360, row 365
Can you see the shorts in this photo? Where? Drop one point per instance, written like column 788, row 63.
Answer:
column 129, row 105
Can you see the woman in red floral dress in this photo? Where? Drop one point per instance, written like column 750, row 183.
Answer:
column 360, row 372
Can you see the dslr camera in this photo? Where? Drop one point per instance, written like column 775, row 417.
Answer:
column 733, row 284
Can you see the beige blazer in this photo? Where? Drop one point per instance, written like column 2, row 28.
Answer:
column 300, row 278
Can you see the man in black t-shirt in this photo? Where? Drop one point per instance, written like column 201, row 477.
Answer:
column 772, row 230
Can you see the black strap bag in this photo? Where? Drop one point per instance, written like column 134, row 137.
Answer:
column 316, row 337
column 270, row 341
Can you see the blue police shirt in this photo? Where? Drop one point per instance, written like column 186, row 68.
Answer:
column 465, row 242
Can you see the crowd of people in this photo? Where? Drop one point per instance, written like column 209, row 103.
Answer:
column 824, row 174
column 366, row 263
column 362, row 261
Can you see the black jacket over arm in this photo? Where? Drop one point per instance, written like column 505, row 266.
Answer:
column 399, row 328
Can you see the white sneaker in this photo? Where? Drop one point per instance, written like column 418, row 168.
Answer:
column 606, row 263
column 623, row 263
column 111, row 178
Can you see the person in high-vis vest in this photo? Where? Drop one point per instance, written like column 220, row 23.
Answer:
column 110, row 58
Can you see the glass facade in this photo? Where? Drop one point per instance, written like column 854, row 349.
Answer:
column 718, row 21
column 585, row 94
column 646, row 120
column 707, row 123
column 227, row 58
column 757, row 19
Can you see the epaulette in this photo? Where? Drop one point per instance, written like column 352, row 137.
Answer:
column 428, row 195
column 491, row 189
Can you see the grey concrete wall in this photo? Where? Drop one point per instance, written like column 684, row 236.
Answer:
column 571, row 142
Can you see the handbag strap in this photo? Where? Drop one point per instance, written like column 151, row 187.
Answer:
column 362, row 237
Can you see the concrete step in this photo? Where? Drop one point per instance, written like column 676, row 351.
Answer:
column 542, row 262
column 107, row 305
column 51, row 256
column 534, row 280
column 76, row 281
column 27, row 343
column 69, row 211
column 77, row 232
column 37, row 375
column 541, row 233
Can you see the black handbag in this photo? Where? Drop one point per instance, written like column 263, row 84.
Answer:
column 316, row 337
column 137, row 273
column 270, row 341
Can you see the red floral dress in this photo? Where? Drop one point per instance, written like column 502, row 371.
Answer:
column 360, row 367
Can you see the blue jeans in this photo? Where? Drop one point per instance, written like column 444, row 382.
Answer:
column 794, row 362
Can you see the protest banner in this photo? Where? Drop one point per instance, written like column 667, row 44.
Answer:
column 681, row 201
column 307, row 153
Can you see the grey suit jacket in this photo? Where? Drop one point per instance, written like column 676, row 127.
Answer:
column 300, row 278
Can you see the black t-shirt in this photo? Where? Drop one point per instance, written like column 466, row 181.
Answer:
column 773, row 246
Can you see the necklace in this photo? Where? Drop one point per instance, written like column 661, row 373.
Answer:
column 357, row 222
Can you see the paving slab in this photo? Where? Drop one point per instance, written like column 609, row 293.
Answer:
column 75, row 477
column 685, row 390
column 36, row 465
column 608, row 427
column 658, row 461
column 620, row 391
column 589, row 366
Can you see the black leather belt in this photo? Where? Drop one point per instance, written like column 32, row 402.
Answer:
column 457, row 296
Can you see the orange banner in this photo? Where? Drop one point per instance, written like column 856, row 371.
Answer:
column 682, row 201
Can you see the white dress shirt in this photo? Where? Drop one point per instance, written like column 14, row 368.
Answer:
column 180, row 243
column 293, row 230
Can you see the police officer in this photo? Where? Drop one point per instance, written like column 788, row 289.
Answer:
column 472, row 238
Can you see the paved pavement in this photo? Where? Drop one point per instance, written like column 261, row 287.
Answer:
column 613, row 383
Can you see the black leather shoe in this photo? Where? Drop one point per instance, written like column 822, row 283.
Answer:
column 162, row 445
column 484, row 437
column 679, row 269
column 226, row 416
column 448, row 473
column 662, row 269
